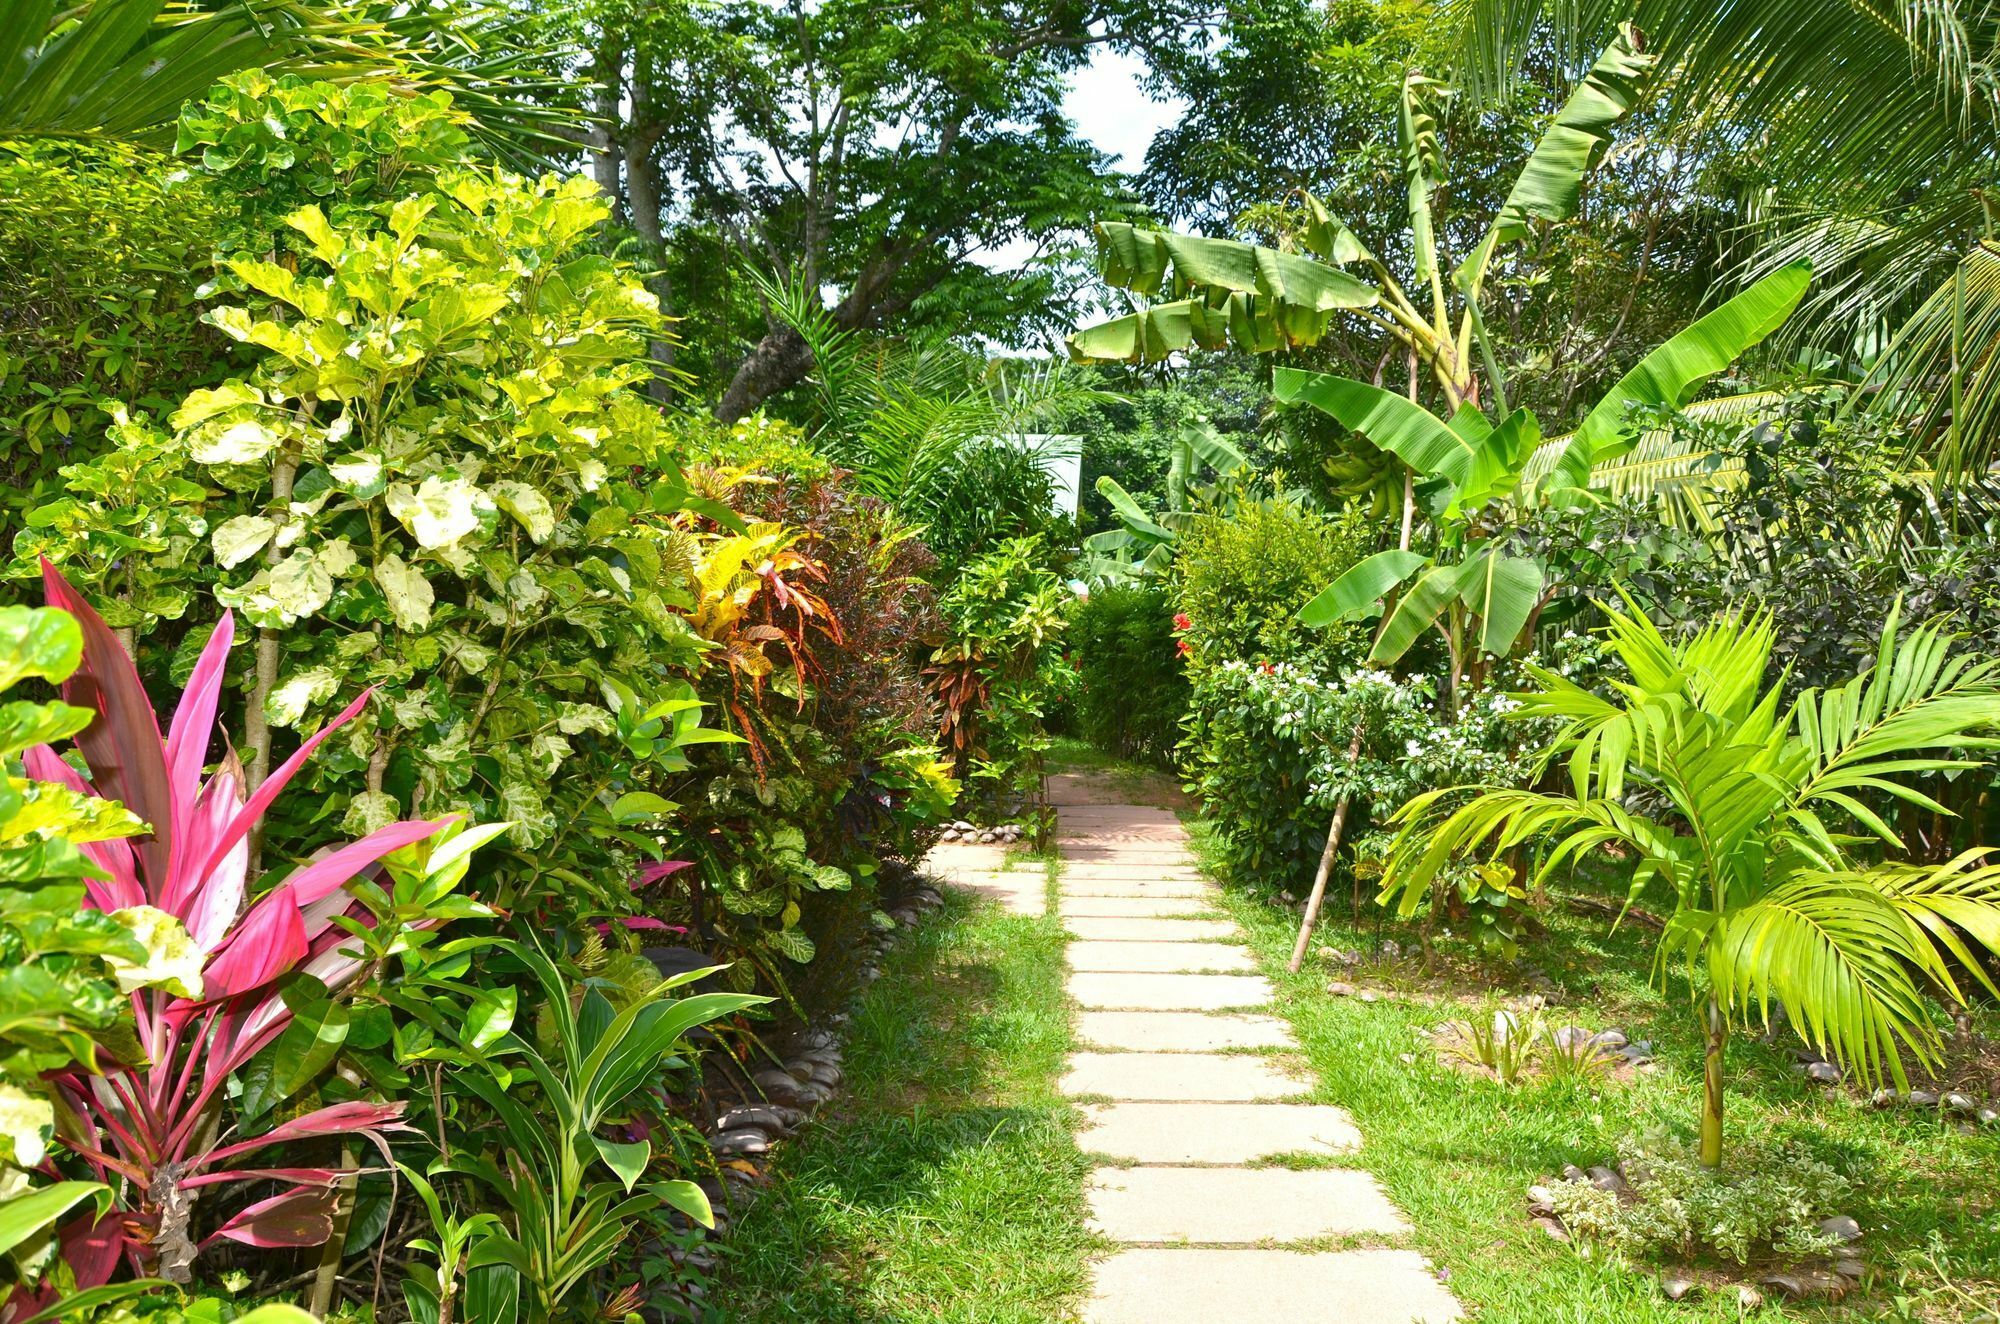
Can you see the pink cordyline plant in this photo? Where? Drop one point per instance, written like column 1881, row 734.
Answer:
column 153, row 1129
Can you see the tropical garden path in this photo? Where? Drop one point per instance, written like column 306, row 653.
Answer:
column 1228, row 1199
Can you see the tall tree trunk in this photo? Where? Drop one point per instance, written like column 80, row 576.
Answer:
column 781, row 359
column 607, row 72
column 1711, row 1099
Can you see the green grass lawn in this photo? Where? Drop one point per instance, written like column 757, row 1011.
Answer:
column 1457, row 1152
column 945, row 1184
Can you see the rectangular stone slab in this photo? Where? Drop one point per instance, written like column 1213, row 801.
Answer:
column 1027, row 895
column 1114, row 928
column 1136, row 887
column 1181, row 1031
column 1165, row 957
column 1179, row 1133
column 1238, row 1206
column 1204, row 1077
column 1133, row 907
column 1137, row 992
column 1157, row 1286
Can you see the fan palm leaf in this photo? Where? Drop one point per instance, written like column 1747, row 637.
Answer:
column 1772, row 898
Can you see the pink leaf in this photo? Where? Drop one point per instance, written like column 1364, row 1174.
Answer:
column 187, row 747
column 208, row 904
column 653, row 873
column 122, row 744
column 357, row 1117
column 322, row 877
column 114, row 857
column 91, row 1247
column 297, row 1218
column 297, row 1176
column 640, row 922
column 240, row 826
column 270, row 940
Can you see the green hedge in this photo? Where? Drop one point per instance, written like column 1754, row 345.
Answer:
column 1132, row 693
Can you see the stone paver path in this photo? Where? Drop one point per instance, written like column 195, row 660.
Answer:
column 1187, row 1088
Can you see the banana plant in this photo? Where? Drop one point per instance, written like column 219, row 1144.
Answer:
column 1481, row 595
column 1262, row 299
column 1145, row 543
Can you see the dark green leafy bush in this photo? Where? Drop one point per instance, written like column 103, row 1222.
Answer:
column 1131, row 693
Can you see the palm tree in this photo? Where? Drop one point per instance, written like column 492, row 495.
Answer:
column 1878, row 120
column 1759, row 822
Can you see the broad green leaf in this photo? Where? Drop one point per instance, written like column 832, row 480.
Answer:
column 627, row 1160
column 1359, row 592
column 172, row 961
column 243, row 442
column 237, row 540
column 640, row 807
column 1669, row 376
column 489, row 1015
column 23, row 1216
column 1498, row 464
column 38, row 641
column 528, row 506
column 1501, row 592
column 1414, row 612
column 203, row 404
column 1128, row 510
column 1140, row 259
column 689, row 1198
column 437, row 512
column 293, row 697
column 406, row 591
column 26, row 1123
column 1549, row 183
column 1409, row 431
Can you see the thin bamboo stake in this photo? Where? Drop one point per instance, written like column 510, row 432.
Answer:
column 1326, row 858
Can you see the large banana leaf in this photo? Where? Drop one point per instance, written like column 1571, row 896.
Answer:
column 1362, row 588
column 1669, row 376
column 1409, row 431
column 1414, row 612
column 1140, row 260
column 1549, row 184
column 1259, row 298
column 1500, row 591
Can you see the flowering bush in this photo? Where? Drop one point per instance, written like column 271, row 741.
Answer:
column 1275, row 759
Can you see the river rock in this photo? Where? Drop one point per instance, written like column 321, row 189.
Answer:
column 1340, row 988
column 1841, row 1228
column 744, row 1141
column 1609, row 1039
column 1604, row 1179
column 1960, row 1103
column 1676, row 1285
column 1922, row 1099
column 1824, row 1073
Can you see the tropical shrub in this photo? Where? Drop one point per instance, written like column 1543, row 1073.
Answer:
column 1279, row 756
column 1131, row 694
column 1241, row 580
column 998, row 670
column 425, row 483
column 1755, row 819
column 124, row 326
column 568, row 1217
column 143, row 1121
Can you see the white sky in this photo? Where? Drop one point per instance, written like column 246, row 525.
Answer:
column 1115, row 115
column 1107, row 105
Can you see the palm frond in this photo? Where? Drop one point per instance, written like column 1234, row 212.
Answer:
column 1839, row 957
column 121, row 69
